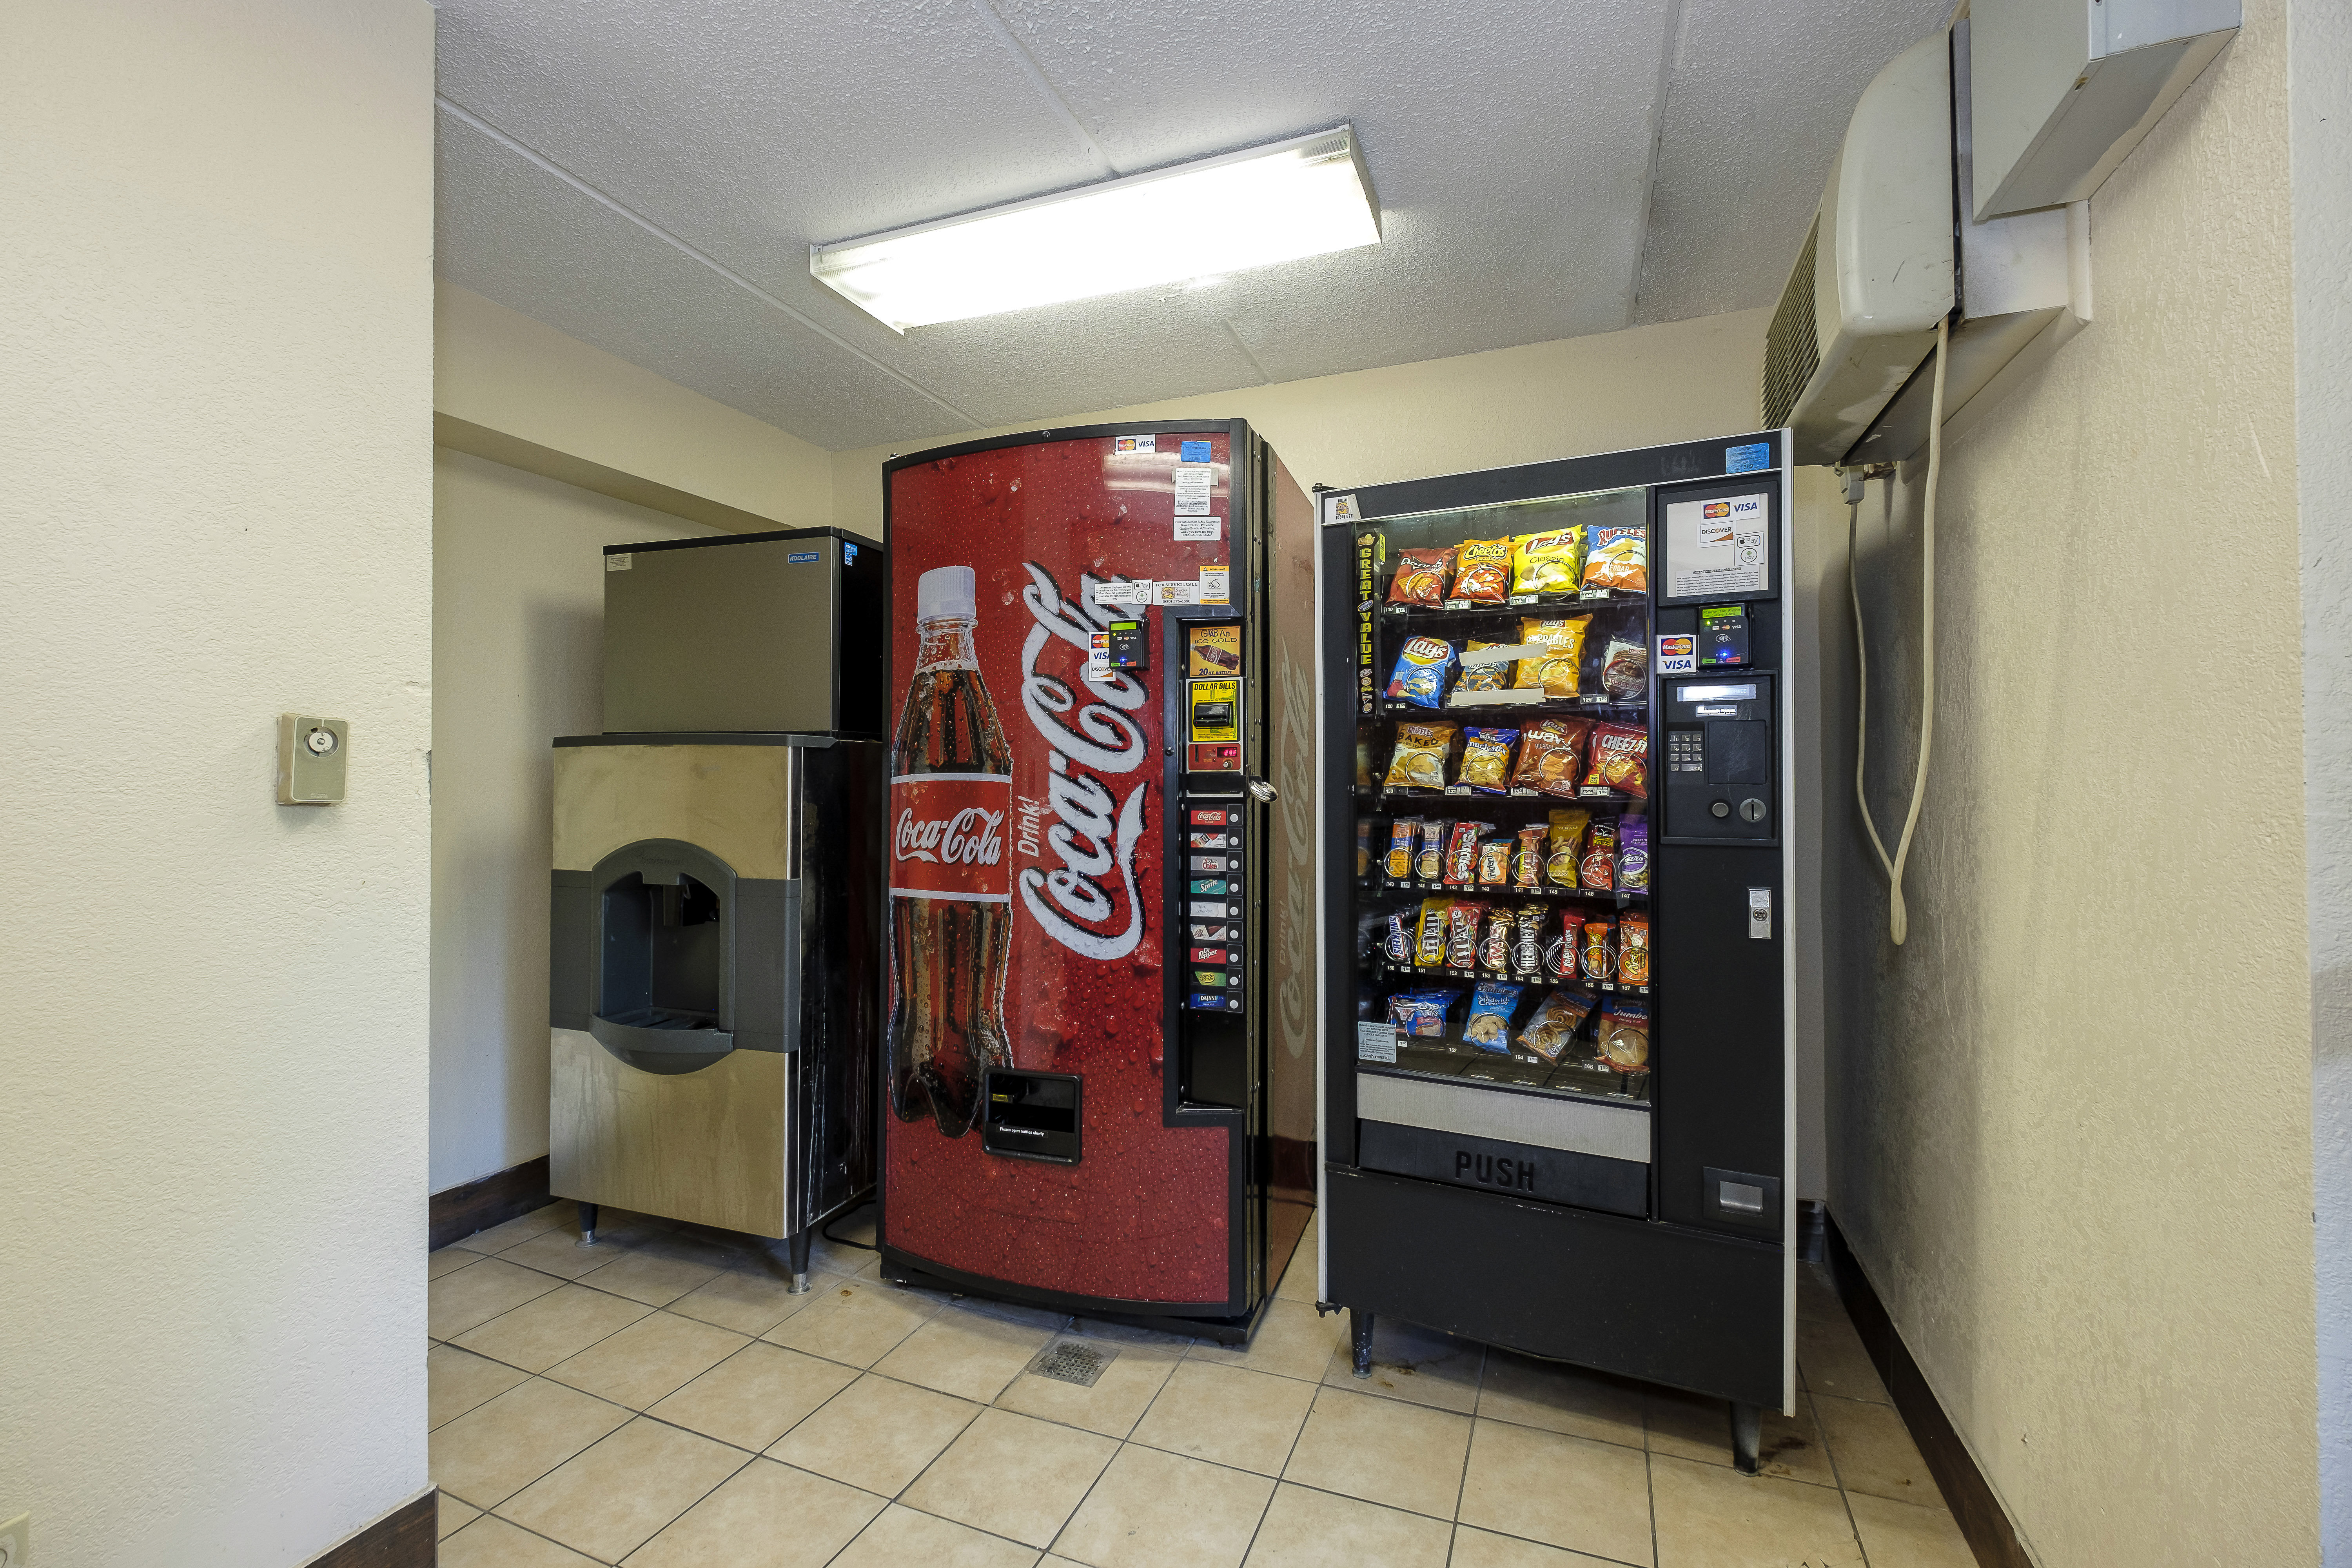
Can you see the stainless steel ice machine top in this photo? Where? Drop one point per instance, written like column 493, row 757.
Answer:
column 768, row 633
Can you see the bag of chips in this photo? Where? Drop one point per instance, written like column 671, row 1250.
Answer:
column 1551, row 755
column 1527, row 862
column 1495, row 863
column 1494, row 941
column 1553, row 1024
column 1364, row 825
column 1420, row 576
column 1634, row 950
column 1554, row 672
column 1487, row 759
column 1619, row 760
column 1526, row 940
column 1482, row 571
column 1421, row 1013
column 1422, row 750
column 1483, row 677
column 1624, row 1038
column 1398, row 864
column 1596, row 949
column 1618, row 560
column 1491, row 1006
column 1462, row 853
column 1429, row 940
column 1429, row 861
column 1633, row 853
column 1421, row 668
column 1565, row 834
column 1625, row 671
column 1597, row 869
column 1546, row 562
column 1397, row 947
column 1462, row 934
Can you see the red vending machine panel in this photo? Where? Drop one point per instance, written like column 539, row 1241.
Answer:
column 1039, row 1141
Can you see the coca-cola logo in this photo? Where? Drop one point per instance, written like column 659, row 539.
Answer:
column 970, row 837
column 1087, row 902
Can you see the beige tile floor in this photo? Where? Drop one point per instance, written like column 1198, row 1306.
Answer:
column 662, row 1401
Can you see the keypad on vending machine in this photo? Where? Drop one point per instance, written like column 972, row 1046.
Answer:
column 1213, row 907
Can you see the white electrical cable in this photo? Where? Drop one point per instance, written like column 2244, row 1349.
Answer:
column 1899, row 922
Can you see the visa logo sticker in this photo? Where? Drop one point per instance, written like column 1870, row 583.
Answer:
column 1128, row 446
column 804, row 557
column 1677, row 656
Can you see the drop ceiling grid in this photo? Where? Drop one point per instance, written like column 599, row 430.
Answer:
column 1508, row 143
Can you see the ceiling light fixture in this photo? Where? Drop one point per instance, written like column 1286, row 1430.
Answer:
column 1306, row 197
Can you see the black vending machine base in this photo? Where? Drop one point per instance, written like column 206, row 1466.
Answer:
column 1234, row 1330
column 1661, row 1302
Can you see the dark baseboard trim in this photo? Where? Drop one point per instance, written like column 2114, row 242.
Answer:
column 1979, row 1513
column 407, row 1537
column 494, row 1200
column 1812, row 1230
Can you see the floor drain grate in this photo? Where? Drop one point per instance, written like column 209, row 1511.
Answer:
column 1071, row 1361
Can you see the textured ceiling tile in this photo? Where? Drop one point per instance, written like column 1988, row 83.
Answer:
column 512, row 233
column 1755, row 109
column 1509, row 142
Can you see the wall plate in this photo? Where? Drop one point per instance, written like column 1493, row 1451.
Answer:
column 312, row 753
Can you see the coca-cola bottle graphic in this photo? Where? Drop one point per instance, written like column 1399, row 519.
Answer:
column 951, row 907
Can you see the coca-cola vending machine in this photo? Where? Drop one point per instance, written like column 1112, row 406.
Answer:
column 1101, row 1073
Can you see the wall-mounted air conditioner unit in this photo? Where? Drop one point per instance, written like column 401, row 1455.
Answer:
column 1846, row 356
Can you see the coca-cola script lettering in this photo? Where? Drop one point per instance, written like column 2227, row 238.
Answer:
column 1087, row 904
column 966, row 838
column 948, row 838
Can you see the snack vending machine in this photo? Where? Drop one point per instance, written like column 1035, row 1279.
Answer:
column 1556, row 971
column 1099, row 1089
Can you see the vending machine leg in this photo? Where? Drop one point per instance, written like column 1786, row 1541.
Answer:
column 799, row 1251
column 1746, row 1435
column 587, row 1224
column 1360, row 1334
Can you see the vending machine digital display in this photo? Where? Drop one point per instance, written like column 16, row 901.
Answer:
column 1557, row 956
column 1099, row 1092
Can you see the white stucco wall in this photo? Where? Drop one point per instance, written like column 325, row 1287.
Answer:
column 503, row 371
column 2321, row 104
column 518, row 659
column 2070, row 1122
column 216, row 379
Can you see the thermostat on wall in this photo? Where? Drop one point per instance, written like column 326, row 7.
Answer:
column 310, row 754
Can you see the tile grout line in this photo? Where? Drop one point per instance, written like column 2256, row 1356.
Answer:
column 1280, row 1475
column 1844, row 1500
column 1477, row 1398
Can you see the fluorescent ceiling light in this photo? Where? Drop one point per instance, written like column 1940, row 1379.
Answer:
column 1300, row 197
